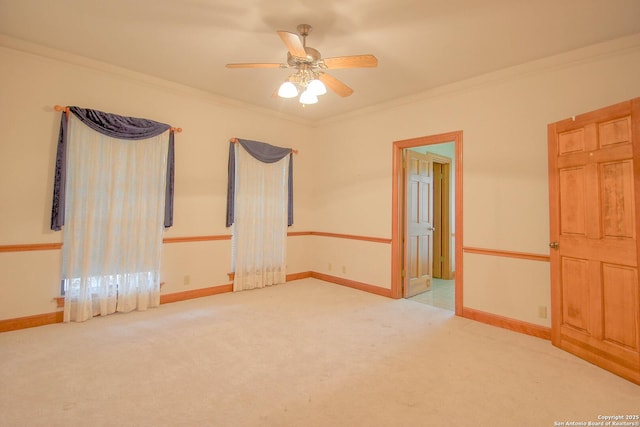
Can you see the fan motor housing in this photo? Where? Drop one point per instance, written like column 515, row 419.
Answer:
column 313, row 56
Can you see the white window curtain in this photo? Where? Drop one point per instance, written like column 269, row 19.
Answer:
column 115, row 203
column 260, row 227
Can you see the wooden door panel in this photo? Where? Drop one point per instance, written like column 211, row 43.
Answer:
column 617, row 205
column 593, row 203
column 425, row 243
column 571, row 142
column 426, row 198
column 573, row 211
column 620, row 305
column 413, row 264
column 575, row 294
column 418, row 265
column 615, row 131
column 412, row 203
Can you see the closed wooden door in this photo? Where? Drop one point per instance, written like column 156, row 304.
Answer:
column 418, row 223
column 594, row 194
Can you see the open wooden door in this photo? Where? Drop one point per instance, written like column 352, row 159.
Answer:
column 594, row 179
column 418, row 224
column 441, row 216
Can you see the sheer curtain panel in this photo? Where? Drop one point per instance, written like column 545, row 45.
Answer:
column 114, row 215
column 260, row 219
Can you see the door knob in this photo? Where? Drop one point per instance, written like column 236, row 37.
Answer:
column 554, row 245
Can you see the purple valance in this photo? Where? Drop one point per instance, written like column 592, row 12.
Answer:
column 115, row 126
column 267, row 154
column 120, row 127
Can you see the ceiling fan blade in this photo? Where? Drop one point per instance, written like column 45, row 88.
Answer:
column 355, row 61
column 335, row 85
column 293, row 43
column 256, row 65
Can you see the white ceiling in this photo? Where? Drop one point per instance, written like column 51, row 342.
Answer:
column 420, row 44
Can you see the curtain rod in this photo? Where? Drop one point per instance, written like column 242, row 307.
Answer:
column 66, row 110
column 235, row 141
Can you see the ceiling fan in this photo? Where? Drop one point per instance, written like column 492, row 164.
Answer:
column 310, row 77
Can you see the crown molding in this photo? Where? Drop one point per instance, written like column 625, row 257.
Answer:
column 26, row 47
column 592, row 53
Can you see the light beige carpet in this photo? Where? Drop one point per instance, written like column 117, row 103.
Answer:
column 307, row 353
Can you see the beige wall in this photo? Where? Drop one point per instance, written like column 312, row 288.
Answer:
column 343, row 171
column 30, row 85
column 504, row 118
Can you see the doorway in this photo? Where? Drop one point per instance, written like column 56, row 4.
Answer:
column 436, row 233
column 439, row 246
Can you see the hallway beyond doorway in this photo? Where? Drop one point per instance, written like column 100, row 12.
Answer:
column 442, row 295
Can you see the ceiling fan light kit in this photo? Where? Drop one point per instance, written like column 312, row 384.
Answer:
column 306, row 83
column 311, row 79
column 317, row 87
column 308, row 98
column 287, row 90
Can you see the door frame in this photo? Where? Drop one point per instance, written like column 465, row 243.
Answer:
column 397, row 211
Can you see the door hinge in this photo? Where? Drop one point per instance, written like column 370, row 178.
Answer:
column 402, row 273
column 554, row 245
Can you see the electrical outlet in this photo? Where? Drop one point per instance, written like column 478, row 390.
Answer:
column 344, row 269
column 542, row 311
column 187, row 280
column 329, row 267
